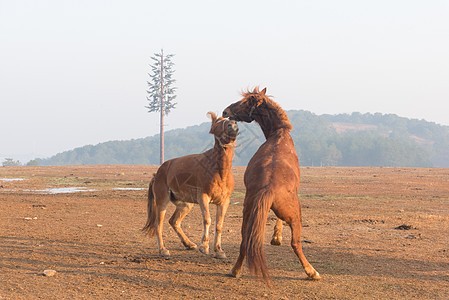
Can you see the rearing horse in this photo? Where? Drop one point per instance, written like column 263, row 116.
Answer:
column 272, row 182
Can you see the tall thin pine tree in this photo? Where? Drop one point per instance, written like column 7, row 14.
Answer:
column 161, row 92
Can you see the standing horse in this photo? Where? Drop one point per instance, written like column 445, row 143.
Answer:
column 271, row 180
column 199, row 178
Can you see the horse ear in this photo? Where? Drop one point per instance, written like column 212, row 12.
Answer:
column 213, row 117
column 264, row 91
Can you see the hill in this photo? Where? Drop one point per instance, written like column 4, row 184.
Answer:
column 356, row 139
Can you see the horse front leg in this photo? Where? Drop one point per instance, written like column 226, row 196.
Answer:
column 204, row 205
column 221, row 212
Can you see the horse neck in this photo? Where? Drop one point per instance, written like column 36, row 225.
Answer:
column 223, row 155
column 271, row 119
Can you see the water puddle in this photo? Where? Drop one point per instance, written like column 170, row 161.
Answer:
column 65, row 190
column 11, row 179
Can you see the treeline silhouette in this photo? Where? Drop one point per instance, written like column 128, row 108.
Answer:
column 382, row 140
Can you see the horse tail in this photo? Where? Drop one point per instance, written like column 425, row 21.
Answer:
column 150, row 225
column 255, row 234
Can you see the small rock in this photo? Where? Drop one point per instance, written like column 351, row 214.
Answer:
column 49, row 273
column 99, row 225
column 43, row 206
column 307, row 241
column 404, row 227
column 413, row 236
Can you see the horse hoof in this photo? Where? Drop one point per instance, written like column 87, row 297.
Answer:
column 220, row 255
column 276, row 242
column 315, row 276
column 204, row 250
column 164, row 252
column 234, row 273
column 191, row 247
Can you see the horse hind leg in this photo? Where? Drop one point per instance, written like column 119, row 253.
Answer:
column 159, row 229
column 236, row 270
column 161, row 202
column 182, row 209
column 277, row 233
column 297, row 248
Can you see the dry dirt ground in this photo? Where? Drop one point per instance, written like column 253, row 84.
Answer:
column 351, row 235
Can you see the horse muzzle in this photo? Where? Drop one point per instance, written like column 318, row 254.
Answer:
column 227, row 113
column 234, row 127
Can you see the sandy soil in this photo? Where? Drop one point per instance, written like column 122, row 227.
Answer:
column 352, row 219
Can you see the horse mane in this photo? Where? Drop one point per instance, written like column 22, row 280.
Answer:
column 269, row 107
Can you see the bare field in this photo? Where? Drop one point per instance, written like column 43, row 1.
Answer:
column 372, row 233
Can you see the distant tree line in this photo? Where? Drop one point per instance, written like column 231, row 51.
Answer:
column 389, row 141
column 10, row 162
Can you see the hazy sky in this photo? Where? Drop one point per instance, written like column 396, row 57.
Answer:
column 74, row 73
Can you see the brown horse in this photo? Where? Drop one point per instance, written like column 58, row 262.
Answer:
column 200, row 178
column 271, row 180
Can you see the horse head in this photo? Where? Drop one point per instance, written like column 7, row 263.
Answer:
column 244, row 109
column 224, row 130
